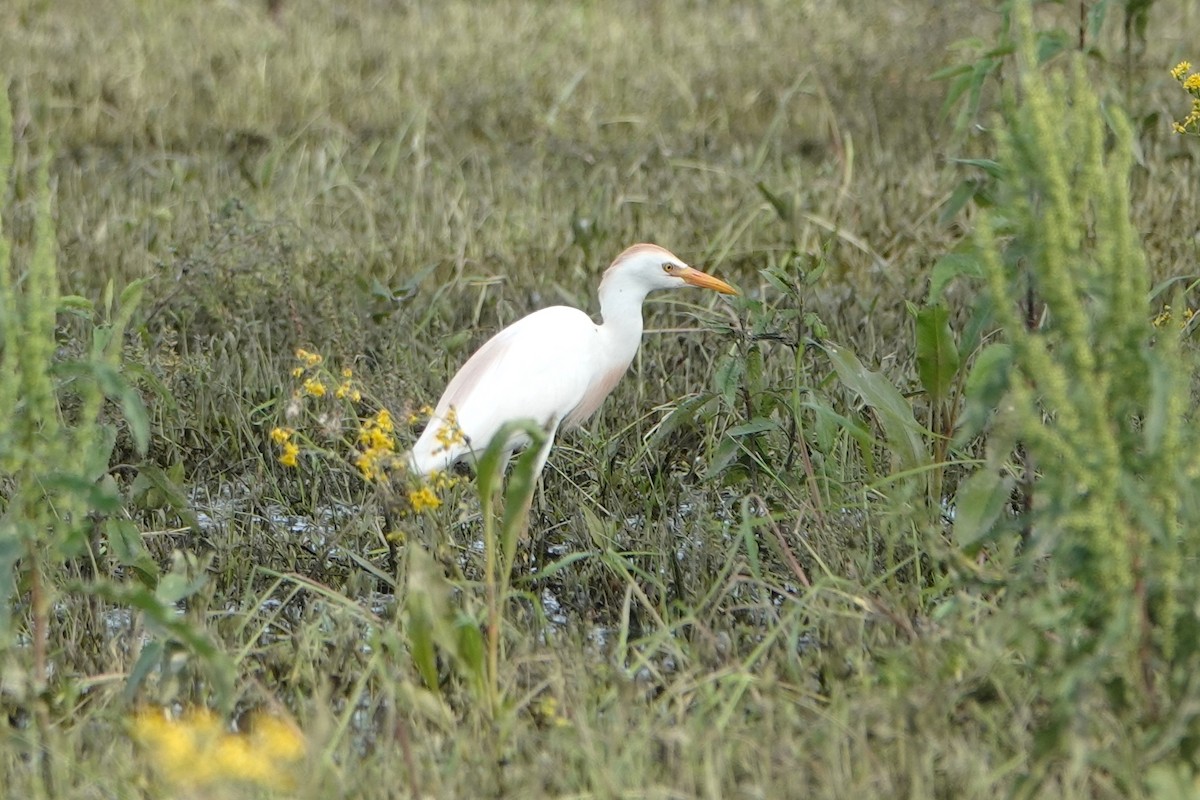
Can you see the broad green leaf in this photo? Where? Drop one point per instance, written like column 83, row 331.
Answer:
column 949, row 267
column 980, row 500
column 754, row 426
column 986, row 386
column 151, row 476
column 937, row 354
column 905, row 436
column 728, row 377
column 680, row 416
column 125, row 541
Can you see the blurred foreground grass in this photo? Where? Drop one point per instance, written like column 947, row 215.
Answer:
column 757, row 572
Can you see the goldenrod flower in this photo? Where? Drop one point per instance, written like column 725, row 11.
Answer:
column 449, row 434
column 1192, row 83
column 346, row 390
column 347, row 373
column 297, row 372
column 281, row 435
column 310, row 359
column 423, row 499
column 314, row 387
column 196, row 751
column 288, row 456
column 1181, row 69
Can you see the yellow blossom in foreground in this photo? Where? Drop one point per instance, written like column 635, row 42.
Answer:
column 423, row 412
column 449, row 434
column 1193, row 82
column 346, row 390
column 1181, row 69
column 310, row 359
column 314, row 387
column 196, row 751
column 290, row 451
column 373, row 461
column 423, row 499
column 281, row 435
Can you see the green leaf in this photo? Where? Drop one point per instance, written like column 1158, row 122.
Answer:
column 152, row 654
column 522, row 482
column 1050, row 43
column 681, row 416
column 937, row 354
column 728, row 377
column 962, row 194
column 989, row 165
column 986, row 386
column 980, row 500
column 949, row 267
column 756, row 425
column 905, row 436
column 164, row 619
column 152, row 477
column 125, row 543
column 470, row 651
column 781, row 205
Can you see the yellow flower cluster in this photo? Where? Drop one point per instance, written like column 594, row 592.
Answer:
column 310, row 360
column 346, row 390
column 314, row 388
column 1166, row 315
column 378, row 443
column 290, row 450
column 416, row 416
column 197, row 751
column 449, row 434
column 423, row 499
column 1191, row 85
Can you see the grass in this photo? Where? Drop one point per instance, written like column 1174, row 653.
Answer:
column 756, row 572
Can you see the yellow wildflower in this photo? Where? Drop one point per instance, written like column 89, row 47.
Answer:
column 196, row 751
column 314, row 387
column 1181, row 69
column 449, row 434
column 373, row 461
column 276, row 738
column 281, row 435
column 418, row 415
column 310, row 359
column 423, row 499
column 1192, row 83
column 288, row 456
column 346, row 390
column 297, row 372
column 347, row 373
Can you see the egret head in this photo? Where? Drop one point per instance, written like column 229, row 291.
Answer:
column 651, row 267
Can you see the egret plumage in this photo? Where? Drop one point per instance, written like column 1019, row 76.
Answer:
column 554, row 366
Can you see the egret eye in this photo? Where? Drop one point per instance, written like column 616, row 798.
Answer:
column 668, row 267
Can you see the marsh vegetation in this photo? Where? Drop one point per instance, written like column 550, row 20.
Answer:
column 912, row 517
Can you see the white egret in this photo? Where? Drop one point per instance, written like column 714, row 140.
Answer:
column 554, row 366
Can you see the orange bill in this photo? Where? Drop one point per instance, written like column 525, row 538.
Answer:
column 695, row 277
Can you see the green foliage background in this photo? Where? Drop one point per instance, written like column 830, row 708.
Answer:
column 913, row 517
